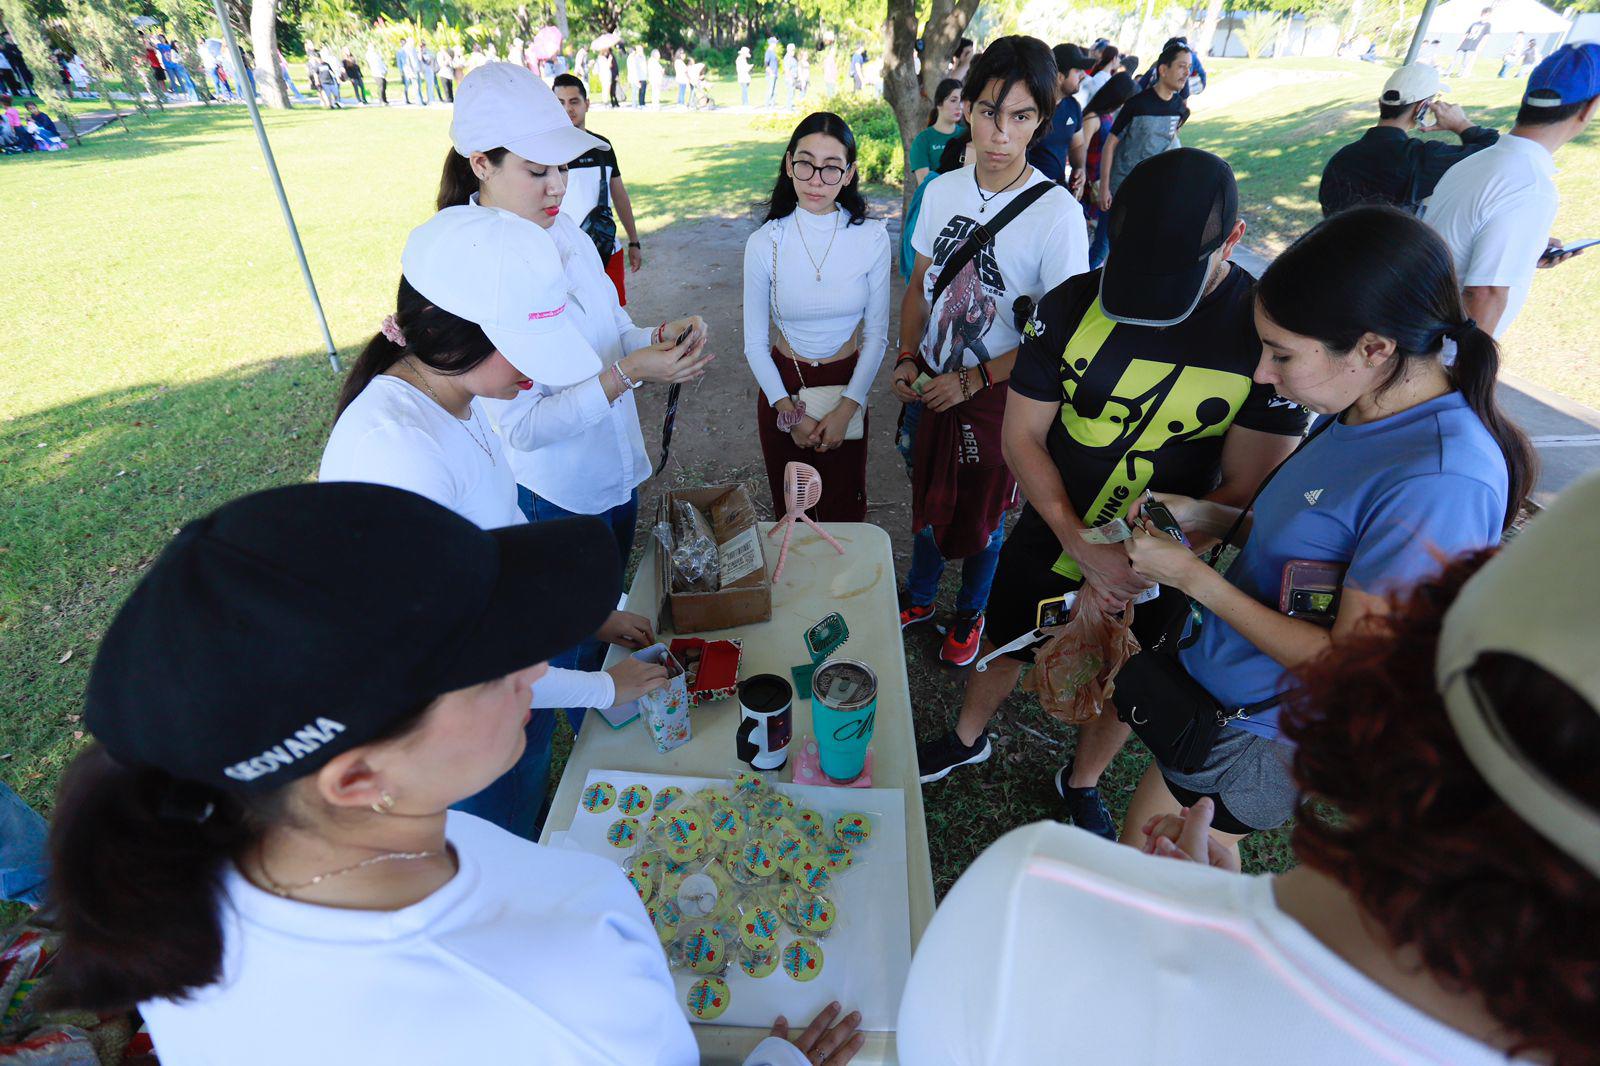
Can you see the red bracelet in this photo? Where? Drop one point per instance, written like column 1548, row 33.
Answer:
column 905, row 357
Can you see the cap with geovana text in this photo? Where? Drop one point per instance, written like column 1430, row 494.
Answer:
column 1538, row 599
column 504, row 273
column 294, row 624
column 1411, row 84
column 506, row 105
column 1169, row 215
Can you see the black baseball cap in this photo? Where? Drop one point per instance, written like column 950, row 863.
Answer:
column 1071, row 57
column 293, row 624
column 1170, row 213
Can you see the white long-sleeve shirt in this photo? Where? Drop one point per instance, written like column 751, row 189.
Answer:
column 817, row 316
column 572, row 446
column 528, row 954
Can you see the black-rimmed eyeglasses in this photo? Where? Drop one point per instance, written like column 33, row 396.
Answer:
column 804, row 171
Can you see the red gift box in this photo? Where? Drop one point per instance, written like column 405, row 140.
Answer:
column 712, row 667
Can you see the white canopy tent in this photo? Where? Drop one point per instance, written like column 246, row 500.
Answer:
column 1447, row 23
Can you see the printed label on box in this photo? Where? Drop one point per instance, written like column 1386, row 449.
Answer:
column 741, row 556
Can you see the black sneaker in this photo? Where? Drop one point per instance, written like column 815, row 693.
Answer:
column 936, row 758
column 1085, row 809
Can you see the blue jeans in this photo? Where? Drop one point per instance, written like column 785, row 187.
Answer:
column 683, row 93
column 1100, row 243
column 23, row 866
column 744, row 93
column 977, row 571
column 516, row 801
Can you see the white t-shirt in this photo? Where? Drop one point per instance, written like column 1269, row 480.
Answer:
column 395, row 434
column 1495, row 209
column 818, row 316
column 1057, row 946
column 529, row 954
column 1038, row 250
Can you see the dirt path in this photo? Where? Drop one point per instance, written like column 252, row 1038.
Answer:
column 698, row 268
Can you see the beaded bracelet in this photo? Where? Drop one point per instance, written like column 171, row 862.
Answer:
column 966, row 393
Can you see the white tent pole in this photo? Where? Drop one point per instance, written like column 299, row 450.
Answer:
column 277, row 182
column 1422, row 31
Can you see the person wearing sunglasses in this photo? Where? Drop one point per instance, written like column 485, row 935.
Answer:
column 818, row 268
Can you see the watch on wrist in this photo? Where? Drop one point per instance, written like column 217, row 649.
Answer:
column 635, row 244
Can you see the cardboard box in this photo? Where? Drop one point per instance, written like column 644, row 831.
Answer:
column 733, row 523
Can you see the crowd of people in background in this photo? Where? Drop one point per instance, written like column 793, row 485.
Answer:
column 618, row 75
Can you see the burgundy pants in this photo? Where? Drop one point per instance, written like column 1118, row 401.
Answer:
column 843, row 469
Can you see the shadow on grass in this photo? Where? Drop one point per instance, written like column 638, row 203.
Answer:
column 94, row 489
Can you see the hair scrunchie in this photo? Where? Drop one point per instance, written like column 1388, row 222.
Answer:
column 1461, row 329
column 391, row 329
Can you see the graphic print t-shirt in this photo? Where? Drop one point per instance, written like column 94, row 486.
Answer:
column 1145, row 408
column 1146, row 125
column 584, row 177
column 1040, row 248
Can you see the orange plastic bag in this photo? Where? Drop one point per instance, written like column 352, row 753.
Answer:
column 1074, row 671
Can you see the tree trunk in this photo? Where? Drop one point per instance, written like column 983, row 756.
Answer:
column 900, row 87
column 264, row 39
column 1144, row 22
column 561, row 19
column 907, row 95
column 1208, row 28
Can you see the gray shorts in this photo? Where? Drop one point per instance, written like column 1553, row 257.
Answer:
column 1250, row 778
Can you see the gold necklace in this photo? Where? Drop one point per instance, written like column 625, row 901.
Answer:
column 283, row 890
column 798, row 228
column 462, row 422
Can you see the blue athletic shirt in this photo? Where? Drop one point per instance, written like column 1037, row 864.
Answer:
column 1392, row 499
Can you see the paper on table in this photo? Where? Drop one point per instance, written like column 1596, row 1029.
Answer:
column 865, row 958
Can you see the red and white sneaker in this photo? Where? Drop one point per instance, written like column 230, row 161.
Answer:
column 961, row 642
column 913, row 614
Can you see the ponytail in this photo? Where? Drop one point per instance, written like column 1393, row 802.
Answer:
column 1474, row 374
column 942, row 93
column 441, row 341
column 458, row 182
column 1379, row 270
column 135, row 882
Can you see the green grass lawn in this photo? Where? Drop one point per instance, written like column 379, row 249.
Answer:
column 161, row 356
column 1279, row 139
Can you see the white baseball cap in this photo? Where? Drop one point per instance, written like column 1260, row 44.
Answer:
column 505, row 105
column 504, row 273
column 1538, row 599
column 1408, row 85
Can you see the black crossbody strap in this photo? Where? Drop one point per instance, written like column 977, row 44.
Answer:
column 985, row 234
column 1233, row 531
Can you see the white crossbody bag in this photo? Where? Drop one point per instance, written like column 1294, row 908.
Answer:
column 819, row 400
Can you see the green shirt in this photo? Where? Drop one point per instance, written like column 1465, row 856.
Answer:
column 928, row 146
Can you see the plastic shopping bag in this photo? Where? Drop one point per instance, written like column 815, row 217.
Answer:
column 1075, row 669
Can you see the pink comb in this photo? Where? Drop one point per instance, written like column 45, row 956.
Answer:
column 802, row 488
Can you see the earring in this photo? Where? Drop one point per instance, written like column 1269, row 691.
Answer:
column 384, row 805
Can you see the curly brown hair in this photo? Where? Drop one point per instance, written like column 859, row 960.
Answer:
column 1396, row 813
